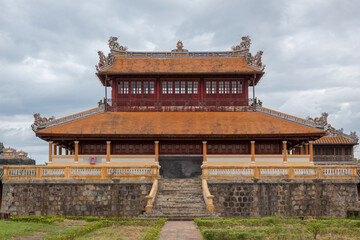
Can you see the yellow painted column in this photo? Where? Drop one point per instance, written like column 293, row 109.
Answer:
column 108, row 148
column 204, row 152
column 284, row 152
column 156, row 152
column 50, row 151
column 311, row 151
column 76, row 159
column 252, row 150
column 306, row 148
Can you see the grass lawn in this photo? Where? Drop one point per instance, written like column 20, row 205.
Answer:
column 10, row 229
column 56, row 228
column 279, row 228
column 116, row 232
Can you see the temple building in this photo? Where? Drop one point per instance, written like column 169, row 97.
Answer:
column 184, row 114
column 10, row 156
column 183, row 108
column 336, row 147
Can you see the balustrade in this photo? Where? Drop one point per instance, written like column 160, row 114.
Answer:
column 68, row 172
column 295, row 172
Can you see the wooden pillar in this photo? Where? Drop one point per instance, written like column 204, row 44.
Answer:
column 301, row 149
column 284, row 152
column 156, row 152
column 252, row 149
column 311, row 152
column 76, row 159
column 204, row 152
column 66, row 152
column 50, row 151
column 306, row 148
column 108, row 148
column 60, row 150
column 55, row 149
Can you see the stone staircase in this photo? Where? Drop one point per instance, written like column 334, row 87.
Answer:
column 180, row 199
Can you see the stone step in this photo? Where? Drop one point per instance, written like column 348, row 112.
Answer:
column 182, row 196
column 180, row 199
column 182, row 206
column 179, row 192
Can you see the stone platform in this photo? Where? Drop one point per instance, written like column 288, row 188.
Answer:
column 284, row 197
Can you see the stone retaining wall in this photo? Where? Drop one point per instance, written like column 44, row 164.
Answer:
column 259, row 198
column 104, row 198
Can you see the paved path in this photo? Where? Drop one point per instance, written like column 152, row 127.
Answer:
column 180, row 230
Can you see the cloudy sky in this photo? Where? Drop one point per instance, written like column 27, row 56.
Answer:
column 48, row 50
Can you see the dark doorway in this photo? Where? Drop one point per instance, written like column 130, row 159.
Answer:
column 180, row 166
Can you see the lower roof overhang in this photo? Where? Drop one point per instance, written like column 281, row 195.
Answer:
column 297, row 137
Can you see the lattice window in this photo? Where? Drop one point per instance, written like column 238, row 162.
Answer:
column 227, row 87
column 240, row 87
column 133, row 88
column 152, row 89
column 208, row 87
column 233, row 87
column 146, row 87
column 177, row 87
column 120, row 88
column 170, row 87
column 196, row 87
column 164, row 88
column 189, row 91
column 221, row 87
column 138, row 84
column 213, row 87
column 126, row 87
column 183, row 88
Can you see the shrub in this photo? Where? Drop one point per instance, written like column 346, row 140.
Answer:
column 40, row 219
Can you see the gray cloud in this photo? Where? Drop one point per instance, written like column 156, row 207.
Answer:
column 48, row 50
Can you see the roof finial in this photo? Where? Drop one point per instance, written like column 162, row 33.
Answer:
column 179, row 47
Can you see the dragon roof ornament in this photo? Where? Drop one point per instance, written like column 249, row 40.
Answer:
column 104, row 62
column 241, row 50
column 40, row 122
column 114, row 45
column 244, row 45
column 331, row 131
column 255, row 61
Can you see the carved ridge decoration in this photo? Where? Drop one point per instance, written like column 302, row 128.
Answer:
column 244, row 45
column 255, row 61
column 43, row 123
column 241, row 50
column 284, row 116
column 40, row 122
column 104, row 62
column 114, row 45
column 331, row 131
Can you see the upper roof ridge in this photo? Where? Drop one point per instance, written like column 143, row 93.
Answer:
column 119, row 51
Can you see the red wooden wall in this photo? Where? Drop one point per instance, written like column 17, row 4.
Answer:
column 175, row 91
